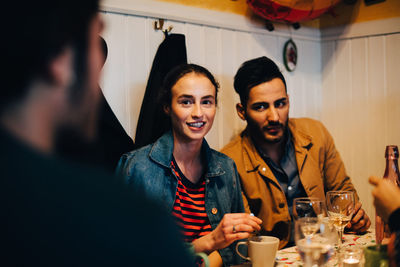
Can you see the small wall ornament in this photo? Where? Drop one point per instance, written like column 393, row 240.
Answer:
column 290, row 55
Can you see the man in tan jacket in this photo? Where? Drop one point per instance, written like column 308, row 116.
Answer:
column 279, row 159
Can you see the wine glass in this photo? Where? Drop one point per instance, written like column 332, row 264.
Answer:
column 308, row 207
column 340, row 206
column 309, row 226
column 315, row 240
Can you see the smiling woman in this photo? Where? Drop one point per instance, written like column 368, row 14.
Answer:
column 197, row 185
column 192, row 104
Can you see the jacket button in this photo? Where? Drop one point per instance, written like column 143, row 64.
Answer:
column 214, row 211
column 263, row 169
column 281, row 205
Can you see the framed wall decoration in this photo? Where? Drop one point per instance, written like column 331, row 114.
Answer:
column 290, row 55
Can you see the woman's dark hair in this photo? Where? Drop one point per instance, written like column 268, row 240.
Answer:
column 178, row 72
column 254, row 72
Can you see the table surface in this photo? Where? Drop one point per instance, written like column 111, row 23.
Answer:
column 289, row 257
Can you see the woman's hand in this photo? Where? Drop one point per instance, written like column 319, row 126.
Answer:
column 233, row 226
column 386, row 196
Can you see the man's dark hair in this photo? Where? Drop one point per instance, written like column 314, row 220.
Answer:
column 254, row 72
column 36, row 32
column 178, row 72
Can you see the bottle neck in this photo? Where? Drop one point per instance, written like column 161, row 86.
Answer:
column 392, row 170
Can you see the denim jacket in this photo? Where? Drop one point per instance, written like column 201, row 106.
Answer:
column 149, row 170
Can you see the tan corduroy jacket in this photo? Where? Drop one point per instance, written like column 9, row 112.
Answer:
column 320, row 170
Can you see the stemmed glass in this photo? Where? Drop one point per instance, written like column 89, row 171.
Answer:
column 340, row 206
column 316, row 243
column 308, row 207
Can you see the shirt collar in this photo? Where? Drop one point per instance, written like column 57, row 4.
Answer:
column 301, row 141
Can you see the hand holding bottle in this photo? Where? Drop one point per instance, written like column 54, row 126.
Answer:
column 392, row 175
column 386, row 196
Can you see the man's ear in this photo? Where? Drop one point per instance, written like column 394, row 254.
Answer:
column 167, row 110
column 61, row 69
column 240, row 111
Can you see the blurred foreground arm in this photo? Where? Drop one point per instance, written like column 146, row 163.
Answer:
column 386, row 197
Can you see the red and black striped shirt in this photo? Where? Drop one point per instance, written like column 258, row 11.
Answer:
column 189, row 208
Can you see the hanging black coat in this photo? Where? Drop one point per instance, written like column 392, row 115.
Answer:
column 152, row 121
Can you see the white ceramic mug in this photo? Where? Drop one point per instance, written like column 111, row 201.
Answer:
column 261, row 249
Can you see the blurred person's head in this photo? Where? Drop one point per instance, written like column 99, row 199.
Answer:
column 189, row 98
column 264, row 102
column 52, row 60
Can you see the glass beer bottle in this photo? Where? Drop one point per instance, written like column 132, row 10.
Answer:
column 382, row 231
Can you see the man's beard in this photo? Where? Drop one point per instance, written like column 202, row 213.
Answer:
column 258, row 134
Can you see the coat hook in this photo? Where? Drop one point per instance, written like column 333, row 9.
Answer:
column 168, row 30
column 159, row 24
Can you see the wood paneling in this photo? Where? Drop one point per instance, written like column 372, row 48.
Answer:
column 361, row 92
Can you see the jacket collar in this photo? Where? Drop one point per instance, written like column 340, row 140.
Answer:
column 302, row 143
column 161, row 152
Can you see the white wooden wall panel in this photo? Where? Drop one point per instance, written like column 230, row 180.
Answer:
column 343, row 117
column 392, row 88
column 195, row 44
column 376, row 110
column 360, row 151
column 328, row 86
column 230, row 123
column 360, row 96
column 311, row 82
column 113, row 79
